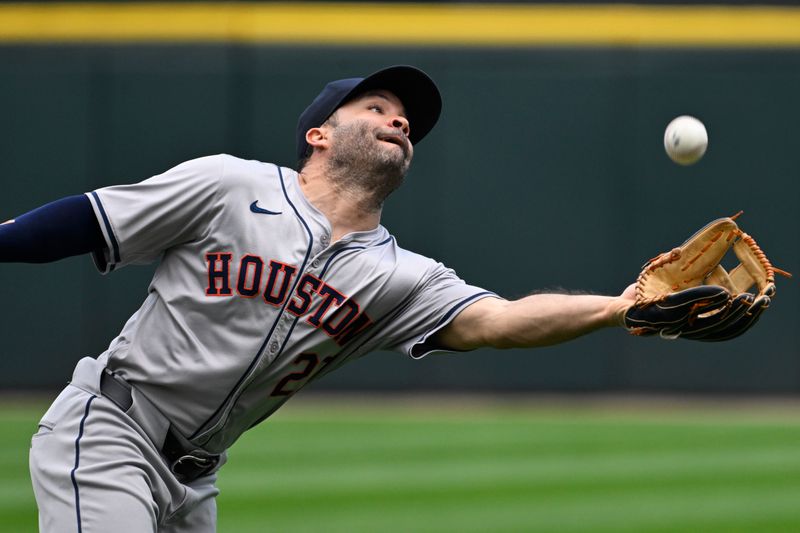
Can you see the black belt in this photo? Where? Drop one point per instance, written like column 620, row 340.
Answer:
column 186, row 462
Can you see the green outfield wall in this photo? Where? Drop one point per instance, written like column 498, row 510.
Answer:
column 546, row 172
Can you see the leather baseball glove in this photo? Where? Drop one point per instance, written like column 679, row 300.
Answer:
column 687, row 293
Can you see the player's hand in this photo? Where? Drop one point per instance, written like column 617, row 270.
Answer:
column 629, row 293
column 623, row 303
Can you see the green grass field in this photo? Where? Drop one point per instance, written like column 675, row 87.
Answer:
column 433, row 464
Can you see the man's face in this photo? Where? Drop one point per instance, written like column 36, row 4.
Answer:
column 369, row 140
column 383, row 113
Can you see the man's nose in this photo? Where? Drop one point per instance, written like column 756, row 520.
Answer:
column 401, row 123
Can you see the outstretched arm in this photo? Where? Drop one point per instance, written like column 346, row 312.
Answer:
column 536, row 320
column 54, row 231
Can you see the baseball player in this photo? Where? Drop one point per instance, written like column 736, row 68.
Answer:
column 267, row 279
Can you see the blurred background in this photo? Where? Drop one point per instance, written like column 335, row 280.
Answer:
column 546, row 172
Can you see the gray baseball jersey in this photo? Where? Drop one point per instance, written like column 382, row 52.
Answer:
column 251, row 300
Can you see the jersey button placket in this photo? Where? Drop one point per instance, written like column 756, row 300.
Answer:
column 284, row 323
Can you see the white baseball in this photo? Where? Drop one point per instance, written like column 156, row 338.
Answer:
column 685, row 140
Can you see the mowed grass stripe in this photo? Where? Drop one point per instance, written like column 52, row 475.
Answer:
column 413, row 437
column 521, row 511
column 580, row 449
column 589, row 471
column 379, row 446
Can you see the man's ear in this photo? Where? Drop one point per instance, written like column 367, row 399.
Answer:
column 317, row 137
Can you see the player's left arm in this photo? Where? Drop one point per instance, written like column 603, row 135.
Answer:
column 536, row 320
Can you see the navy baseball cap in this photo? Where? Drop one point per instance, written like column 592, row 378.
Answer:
column 415, row 89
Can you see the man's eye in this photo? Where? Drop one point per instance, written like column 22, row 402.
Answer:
column 376, row 107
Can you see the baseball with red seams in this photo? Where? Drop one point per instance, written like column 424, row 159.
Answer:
column 685, row 140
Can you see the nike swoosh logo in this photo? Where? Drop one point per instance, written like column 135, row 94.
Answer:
column 255, row 209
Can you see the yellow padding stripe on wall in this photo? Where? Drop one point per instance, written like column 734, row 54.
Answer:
column 403, row 24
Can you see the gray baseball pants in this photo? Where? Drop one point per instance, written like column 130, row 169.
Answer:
column 94, row 470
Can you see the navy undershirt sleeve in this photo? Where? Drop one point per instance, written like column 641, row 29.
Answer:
column 54, row 231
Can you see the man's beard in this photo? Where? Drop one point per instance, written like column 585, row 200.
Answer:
column 359, row 164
